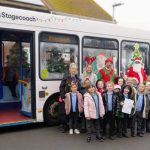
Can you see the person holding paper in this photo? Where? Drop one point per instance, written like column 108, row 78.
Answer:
column 126, row 95
column 141, row 110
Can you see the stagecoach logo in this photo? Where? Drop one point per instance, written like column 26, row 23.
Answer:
column 34, row 19
column 17, row 17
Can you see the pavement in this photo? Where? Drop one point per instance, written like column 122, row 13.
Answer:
column 40, row 137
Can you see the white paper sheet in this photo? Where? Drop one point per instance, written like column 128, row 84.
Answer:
column 127, row 106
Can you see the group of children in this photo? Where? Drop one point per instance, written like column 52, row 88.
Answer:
column 100, row 108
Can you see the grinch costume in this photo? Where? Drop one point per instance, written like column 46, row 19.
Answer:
column 136, row 69
column 105, row 74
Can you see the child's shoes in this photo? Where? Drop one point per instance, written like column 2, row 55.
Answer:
column 71, row 131
column 76, row 131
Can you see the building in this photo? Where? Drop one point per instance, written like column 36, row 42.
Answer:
column 86, row 8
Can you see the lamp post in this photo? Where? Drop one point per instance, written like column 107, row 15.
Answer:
column 115, row 5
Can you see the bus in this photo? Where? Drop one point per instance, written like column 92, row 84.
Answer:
column 36, row 49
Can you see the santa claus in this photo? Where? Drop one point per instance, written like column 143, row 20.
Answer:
column 136, row 70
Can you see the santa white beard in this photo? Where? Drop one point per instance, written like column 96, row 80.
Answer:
column 137, row 68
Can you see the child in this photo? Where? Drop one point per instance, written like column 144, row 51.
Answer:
column 141, row 110
column 129, row 81
column 135, row 83
column 117, row 89
column 120, row 81
column 86, row 83
column 110, row 103
column 147, row 89
column 73, row 106
column 100, row 85
column 123, row 118
column 93, row 110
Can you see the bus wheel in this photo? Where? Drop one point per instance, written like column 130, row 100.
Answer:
column 51, row 111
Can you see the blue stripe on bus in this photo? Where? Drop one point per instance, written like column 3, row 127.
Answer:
column 16, row 123
column 8, row 105
column 26, row 113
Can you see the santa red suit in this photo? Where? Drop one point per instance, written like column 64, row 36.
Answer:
column 136, row 69
column 141, row 75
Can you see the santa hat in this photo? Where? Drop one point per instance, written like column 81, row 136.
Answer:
column 116, row 86
column 90, row 59
column 136, row 79
column 109, row 59
column 137, row 59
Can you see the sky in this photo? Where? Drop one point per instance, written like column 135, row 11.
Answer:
column 133, row 13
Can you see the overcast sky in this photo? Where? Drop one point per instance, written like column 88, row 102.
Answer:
column 134, row 13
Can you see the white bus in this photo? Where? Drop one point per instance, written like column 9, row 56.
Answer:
column 36, row 49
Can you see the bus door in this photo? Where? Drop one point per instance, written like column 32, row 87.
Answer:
column 1, row 86
column 15, row 75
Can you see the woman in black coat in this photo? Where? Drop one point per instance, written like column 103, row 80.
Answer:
column 64, row 88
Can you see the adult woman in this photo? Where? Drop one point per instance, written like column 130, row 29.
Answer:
column 64, row 88
column 89, row 75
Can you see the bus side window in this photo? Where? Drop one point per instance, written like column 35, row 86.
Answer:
column 127, row 48
column 101, row 48
column 57, row 51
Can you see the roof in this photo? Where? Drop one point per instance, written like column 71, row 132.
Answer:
column 87, row 8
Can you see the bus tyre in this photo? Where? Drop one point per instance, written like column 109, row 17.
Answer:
column 51, row 111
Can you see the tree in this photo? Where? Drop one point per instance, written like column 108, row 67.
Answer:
column 56, row 62
column 13, row 59
column 136, row 54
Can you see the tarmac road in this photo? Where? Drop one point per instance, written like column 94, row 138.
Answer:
column 50, row 138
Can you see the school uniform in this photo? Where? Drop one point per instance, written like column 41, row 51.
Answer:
column 65, row 88
column 148, row 119
column 124, row 119
column 141, row 113
column 73, row 106
column 93, row 109
column 110, row 103
column 82, row 119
